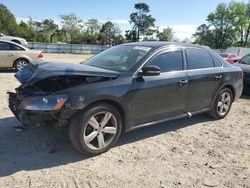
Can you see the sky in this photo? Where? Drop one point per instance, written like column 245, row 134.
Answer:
column 184, row 16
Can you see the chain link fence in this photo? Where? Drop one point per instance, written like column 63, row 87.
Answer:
column 67, row 48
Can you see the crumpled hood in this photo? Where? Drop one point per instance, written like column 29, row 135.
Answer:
column 39, row 71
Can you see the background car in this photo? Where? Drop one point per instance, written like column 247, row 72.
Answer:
column 13, row 55
column 123, row 88
column 244, row 64
column 230, row 58
column 17, row 40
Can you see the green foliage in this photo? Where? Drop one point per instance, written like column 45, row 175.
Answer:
column 8, row 23
column 131, row 35
column 46, row 28
column 141, row 20
column 25, row 31
column 109, row 32
column 73, row 26
column 166, row 35
column 228, row 25
column 91, row 32
column 204, row 36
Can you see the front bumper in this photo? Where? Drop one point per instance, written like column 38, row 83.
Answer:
column 38, row 116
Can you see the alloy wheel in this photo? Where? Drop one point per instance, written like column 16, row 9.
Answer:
column 100, row 130
column 224, row 103
column 21, row 64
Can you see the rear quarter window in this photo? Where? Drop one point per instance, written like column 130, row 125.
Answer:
column 217, row 62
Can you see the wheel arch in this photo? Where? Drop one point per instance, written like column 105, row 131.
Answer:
column 113, row 103
column 229, row 86
column 20, row 58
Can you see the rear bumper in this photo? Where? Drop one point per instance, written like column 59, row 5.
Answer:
column 238, row 89
column 246, row 85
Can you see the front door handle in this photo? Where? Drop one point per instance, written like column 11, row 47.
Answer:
column 182, row 82
column 218, row 77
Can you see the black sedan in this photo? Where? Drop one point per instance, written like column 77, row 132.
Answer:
column 244, row 64
column 124, row 88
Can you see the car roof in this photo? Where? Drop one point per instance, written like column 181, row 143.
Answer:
column 160, row 44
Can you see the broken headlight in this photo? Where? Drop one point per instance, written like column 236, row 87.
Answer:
column 44, row 103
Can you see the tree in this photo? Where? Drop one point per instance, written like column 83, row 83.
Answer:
column 8, row 23
column 26, row 31
column 166, row 35
column 247, row 27
column 238, row 9
column 47, row 28
column 73, row 26
column 204, row 36
column 108, row 32
column 223, row 22
column 228, row 25
column 91, row 31
column 141, row 20
column 131, row 35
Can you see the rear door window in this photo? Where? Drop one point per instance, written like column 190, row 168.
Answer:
column 199, row 59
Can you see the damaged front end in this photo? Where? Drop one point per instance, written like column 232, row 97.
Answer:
column 44, row 94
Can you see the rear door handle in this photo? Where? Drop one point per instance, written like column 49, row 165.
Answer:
column 182, row 82
column 218, row 77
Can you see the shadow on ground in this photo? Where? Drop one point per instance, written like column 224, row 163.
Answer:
column 2, row 70
column 30, row 149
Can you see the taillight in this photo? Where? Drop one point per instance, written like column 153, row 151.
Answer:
column 40, row 55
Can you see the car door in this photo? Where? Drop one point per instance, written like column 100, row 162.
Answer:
column 156, row 97
column 205, row 75
column 5, row 59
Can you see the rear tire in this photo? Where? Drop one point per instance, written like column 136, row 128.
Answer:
column 96, row 130
column 222, row 104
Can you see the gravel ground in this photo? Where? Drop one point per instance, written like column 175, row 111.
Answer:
column 196, row 152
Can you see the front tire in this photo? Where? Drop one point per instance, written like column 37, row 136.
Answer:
column 96, row 130
column 20, row 64
column 222, row 104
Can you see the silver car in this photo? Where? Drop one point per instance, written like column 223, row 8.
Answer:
column 13, row 55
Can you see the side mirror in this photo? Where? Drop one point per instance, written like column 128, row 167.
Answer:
column 151, row 70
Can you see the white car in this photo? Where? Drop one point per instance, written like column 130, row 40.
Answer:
column 17, row 40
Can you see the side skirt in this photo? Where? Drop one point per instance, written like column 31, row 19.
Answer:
column 189, row 114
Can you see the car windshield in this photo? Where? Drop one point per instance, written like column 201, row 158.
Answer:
column 245, row 60
column 119, row 58
column 224, row 55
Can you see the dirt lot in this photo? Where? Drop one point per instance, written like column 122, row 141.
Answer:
column 197, row 152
